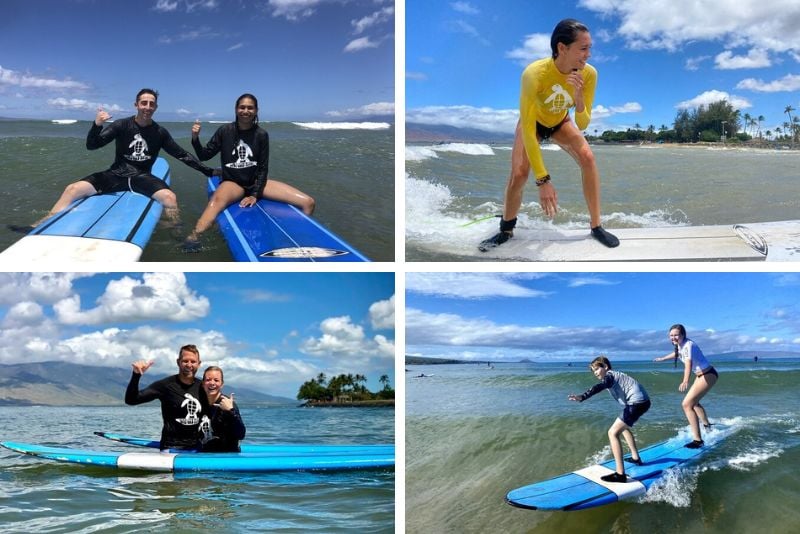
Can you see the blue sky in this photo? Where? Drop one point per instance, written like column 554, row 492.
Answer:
column 577, row 316
column 268, row 331
column 304, row 59
column 464, row 58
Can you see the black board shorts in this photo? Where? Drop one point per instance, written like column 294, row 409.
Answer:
column 633, row 412
column 109, row 182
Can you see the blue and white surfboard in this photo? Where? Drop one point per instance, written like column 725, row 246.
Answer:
column 112, row 227
column 584, row 488
column 198, row 461
column 273, row 231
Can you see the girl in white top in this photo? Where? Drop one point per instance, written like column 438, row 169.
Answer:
column 705, row 378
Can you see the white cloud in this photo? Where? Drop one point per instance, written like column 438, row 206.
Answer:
column 756, row 58
column 367, row 110
column 473, row 285
column 465, row 7
column 204, row 32
column 460, row 26
column 157, row 296
column 773, row 25
column 79, row 104
column 339, row 337
column 488, row 119
column 362, row 43
column 16, row 79
column 790, row 82
column 535, row 46
column 708, row 97
column 581, row 281
column 165, row 6
column 37, row 287
column 628, row 107
column 381, row 314
column 382, row 15
column 237, row 46
column 693, row 63
column 293, row 9
column 24, row 314
column 418, row 76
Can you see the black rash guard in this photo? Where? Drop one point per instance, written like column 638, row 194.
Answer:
column 244, row 155
column 137, row 147
column 220, row 431
column 181, row 406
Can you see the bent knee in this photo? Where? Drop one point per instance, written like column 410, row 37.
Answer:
column 167, row 198
column 309, row 205
column 586, row 157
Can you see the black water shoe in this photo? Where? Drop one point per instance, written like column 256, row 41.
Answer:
column 614, row 477
column 495, row 241
column 637, row 461
column 506, row 232
column 695, row 444
column 609, row 240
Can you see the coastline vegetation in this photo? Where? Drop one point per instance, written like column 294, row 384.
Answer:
column 717, row 122
column 344, row 390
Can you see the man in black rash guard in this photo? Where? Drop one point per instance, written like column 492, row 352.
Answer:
column 139, row 139
column 181, row 395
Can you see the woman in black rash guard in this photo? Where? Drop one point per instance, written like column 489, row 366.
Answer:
column 244, row 150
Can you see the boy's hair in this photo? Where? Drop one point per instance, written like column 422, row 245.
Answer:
column 600, row 361
column 147, row 91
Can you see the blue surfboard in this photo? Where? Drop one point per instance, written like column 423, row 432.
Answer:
column 198, row 461
column 277, row 232
column 109, row 227
column 583, row 488
column 291, row 449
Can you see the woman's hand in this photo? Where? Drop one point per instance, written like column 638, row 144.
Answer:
column 548, row 199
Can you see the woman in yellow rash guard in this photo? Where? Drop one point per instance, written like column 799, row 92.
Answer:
column 550, row 87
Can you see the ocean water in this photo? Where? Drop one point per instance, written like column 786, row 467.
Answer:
column 45, row 496
column 453, row 189
column 474, row 433
column 349, row 172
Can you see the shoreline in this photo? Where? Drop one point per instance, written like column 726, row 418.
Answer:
column 385, row 403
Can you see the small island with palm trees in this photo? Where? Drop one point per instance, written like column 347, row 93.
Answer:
column 344, row 391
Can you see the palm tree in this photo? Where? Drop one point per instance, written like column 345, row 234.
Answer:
column 788, row 110
column 747, row 121
column 760, row 120
column 321, row 378
column 384, row 379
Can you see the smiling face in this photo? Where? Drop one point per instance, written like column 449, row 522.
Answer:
column 246, row 110
column 575, row 55
column 675, row 337
column 188, row 363
column 146, row 105
column 212, row 383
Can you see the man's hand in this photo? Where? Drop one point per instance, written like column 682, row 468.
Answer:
column 139, row 367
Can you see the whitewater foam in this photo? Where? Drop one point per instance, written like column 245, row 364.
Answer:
column 343, row 125
column 419, row 153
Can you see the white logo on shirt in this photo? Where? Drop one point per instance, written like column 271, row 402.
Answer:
column 243, row 153
column 192, row 409
column 559, row 100
column 140, row 149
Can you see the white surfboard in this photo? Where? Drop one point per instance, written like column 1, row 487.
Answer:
column 770, row 241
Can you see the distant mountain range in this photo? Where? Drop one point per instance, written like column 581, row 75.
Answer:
column 427, row 133
column 69, row 384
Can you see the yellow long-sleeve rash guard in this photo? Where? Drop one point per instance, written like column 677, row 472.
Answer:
column 546, row 97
